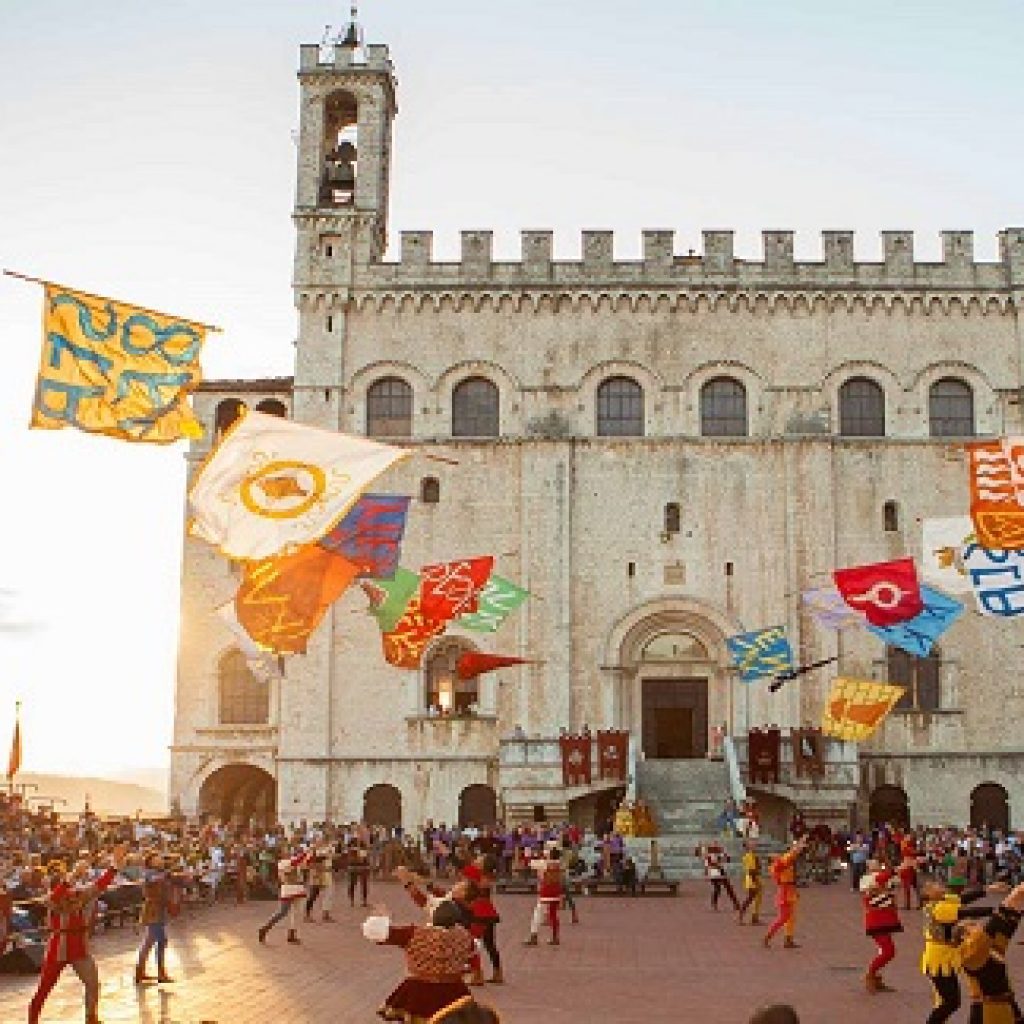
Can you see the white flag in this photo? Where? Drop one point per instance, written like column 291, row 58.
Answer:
column 942, row 557
column 273, row 484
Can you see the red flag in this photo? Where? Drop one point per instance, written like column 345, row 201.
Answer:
column 404, row 645
column 884, row 593
column 473, row 664
column 448, row 589
column 14, row 761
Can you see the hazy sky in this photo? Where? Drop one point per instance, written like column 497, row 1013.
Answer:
column 146, row 152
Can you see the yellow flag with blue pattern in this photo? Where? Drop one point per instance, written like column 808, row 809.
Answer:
column 112, row 368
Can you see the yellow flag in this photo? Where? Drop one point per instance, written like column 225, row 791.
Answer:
column 115, row 369
column 856, row 707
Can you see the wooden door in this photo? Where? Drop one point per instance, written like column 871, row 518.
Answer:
column 675, row 718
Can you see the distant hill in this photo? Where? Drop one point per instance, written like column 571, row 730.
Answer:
column 105, row 795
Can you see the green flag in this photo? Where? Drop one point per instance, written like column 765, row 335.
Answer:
column 390, row 598
column 497, row 600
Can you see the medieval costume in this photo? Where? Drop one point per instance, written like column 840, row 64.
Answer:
column 881, row 922
column 940, row 961
column 435, row 955
column 786, row 897
column 908, row 870
column 485, row 917
column 753, row 885
column 293, row 892
column 358, row 871
column 70, row 910
column 321, row 882
column 983, row 957
column 715, row 860
column 550, row 892
column 158, row 890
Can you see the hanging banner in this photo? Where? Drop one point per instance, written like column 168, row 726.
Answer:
column 808, row 752
column 826, row 606
column 942, row 542
column 577, row 767
column 884, row 592
column 997, row 493
column 112, row 368
column 613, row 753
column 448, row 589
column 918, row 635
column 763, row 652
column 370, row 535
column 497, row 601
column 273, row 484
column 763, row 755
column 404, row 645
column 857, row 707
column 997, row 578
column 282, row 600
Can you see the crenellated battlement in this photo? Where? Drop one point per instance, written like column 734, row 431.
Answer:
column 717, row 265
column 315, row 57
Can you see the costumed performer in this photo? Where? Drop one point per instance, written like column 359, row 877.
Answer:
column 783, row 871
column 881, row 921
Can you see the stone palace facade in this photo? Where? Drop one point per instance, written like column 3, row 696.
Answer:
column 664, row 451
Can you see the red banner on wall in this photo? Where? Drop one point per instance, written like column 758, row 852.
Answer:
column 613, row 747
column 763, row 750
column 577, row 769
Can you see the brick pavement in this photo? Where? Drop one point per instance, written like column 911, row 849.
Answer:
column 650, row 961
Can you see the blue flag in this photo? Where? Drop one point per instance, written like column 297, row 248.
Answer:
column 371, row 533
column 917, row 636
column 764, row 652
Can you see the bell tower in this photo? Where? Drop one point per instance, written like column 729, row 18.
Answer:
column 347, row 101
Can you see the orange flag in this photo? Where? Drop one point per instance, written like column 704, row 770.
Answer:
column 404, row 645
column 14, row 761
column 282, row 600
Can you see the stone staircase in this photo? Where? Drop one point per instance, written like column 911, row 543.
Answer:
column 687, row 798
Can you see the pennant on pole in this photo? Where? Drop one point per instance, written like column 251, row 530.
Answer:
column 389, row 599
column 14, row 761
column 763, row 652
column 475, row 663
column 273, row 484
column 282, row 600
column 919, row 634
column 497, row 601
column 370, row 535
column 856, row 707
column 448, row 589
column 111, row 368
column 884, row 592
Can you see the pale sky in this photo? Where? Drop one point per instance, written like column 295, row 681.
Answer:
column 146, row 153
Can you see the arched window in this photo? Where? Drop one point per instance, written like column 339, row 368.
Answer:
column 919, row 675
column 674, row 647
column 430, row 490
column 341, row 150
column 861, row 408
column 475, row 408
column 272, row 407
column 389, row 408
column 723, row 408
column 951, row 408
column 227, row 412
column 620, row 408
column 447, row 694
column 244, row 700
column 672, row 518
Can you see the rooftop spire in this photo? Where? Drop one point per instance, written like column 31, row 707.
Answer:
column 353, row 34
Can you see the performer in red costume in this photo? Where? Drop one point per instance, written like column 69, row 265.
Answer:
column 907, row 871
column 783, row 871
column 881, row 921
column 71, row 903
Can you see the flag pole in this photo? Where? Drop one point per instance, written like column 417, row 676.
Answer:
column 106, row 298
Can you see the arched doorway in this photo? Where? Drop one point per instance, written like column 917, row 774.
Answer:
column 239, row 793
column 382, row 805
column 990, row 808
column 478, row 807
column 889, row 806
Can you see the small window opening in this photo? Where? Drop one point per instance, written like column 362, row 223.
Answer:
column 330, row 324
column 890, row 517
column 430, row 490
column 327, row 394
column 672, row 517
column 728, row 568
column 330, row 251
column 631, row 569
